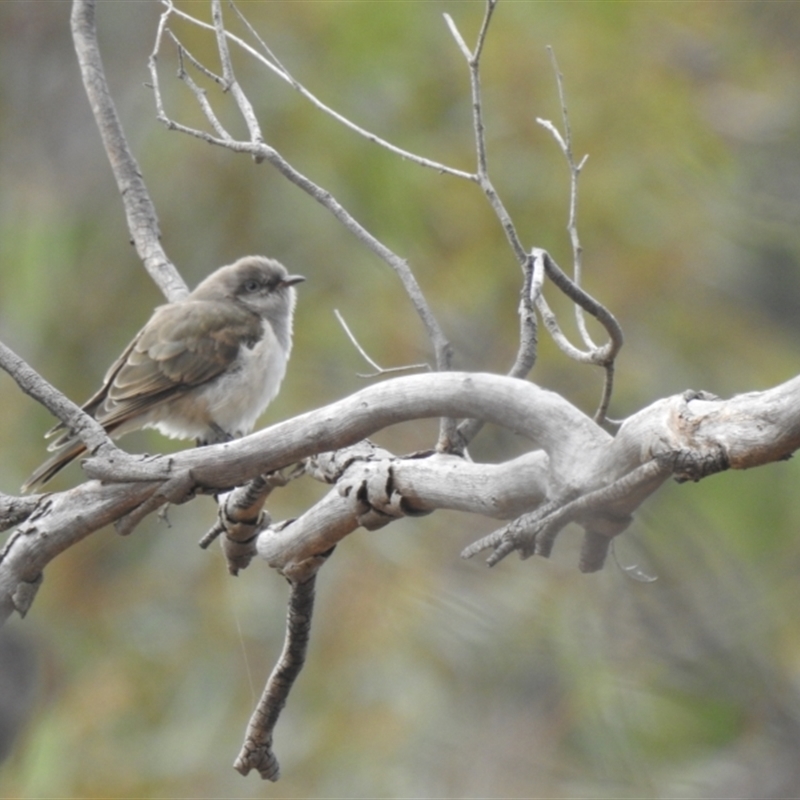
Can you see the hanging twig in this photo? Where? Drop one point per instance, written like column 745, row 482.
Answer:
column 256, row 752
column 528, row 338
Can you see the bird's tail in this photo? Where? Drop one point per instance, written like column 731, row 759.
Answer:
column 66, row 453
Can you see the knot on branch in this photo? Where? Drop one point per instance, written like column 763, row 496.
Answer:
column 694, row 464
column 258, row 756
column 329, row 467
column 241, row 516
column 370, row 487
column 364, row 475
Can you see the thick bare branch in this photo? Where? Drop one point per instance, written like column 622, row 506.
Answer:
column 690, row 436
column 707, row 434
column 257, row 751
column 416, row 487
column 139, row 209
column 136, row 483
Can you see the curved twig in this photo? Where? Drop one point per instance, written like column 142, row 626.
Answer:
column 379, row 370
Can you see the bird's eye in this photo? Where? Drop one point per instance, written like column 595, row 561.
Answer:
column 251, row 286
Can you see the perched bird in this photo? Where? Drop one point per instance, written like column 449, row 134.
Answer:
column 202, row 368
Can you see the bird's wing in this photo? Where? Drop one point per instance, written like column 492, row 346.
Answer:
column 91, row 405
column 183, row 346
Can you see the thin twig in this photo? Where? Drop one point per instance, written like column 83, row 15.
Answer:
column 528, row 337
column 379, row 370
column 473, row 59
column 565, row 144
column 278, row 69
column 601, row 415
column 152, row 63
column 199, row 93
column 232, row 85
column 197, row 64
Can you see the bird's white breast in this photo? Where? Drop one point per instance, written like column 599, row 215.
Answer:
column 239, row 396
column 234, row 400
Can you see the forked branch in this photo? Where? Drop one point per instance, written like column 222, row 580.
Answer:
column 260, row 151
column 575, row 472
column 605, row 355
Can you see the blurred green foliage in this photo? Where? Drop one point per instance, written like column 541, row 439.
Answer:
column 427, row 676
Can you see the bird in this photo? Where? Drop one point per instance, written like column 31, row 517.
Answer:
column 203, row 368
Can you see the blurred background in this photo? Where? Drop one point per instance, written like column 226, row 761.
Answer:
column 138, row 666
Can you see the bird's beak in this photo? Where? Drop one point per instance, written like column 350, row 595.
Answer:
column 291, row 280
